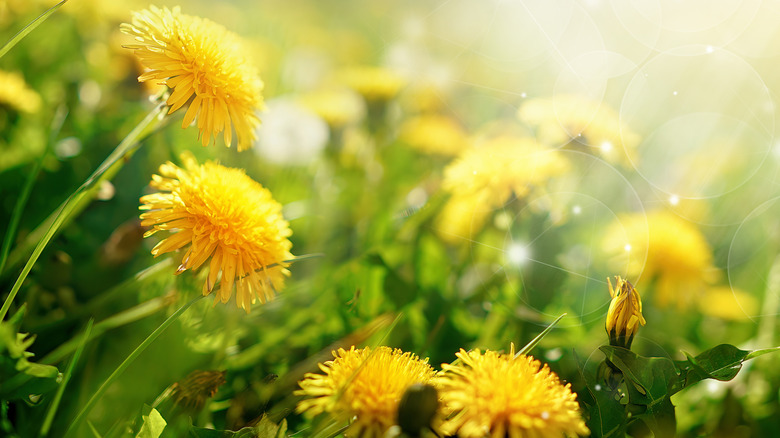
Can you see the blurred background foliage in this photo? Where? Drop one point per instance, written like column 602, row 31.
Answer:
column 646, row 139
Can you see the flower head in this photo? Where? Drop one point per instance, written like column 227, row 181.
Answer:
column 625, row 313
column 197, row 57
column 483, row 179
column 434, row 134
column 663, row 247
column 498, row 395
column 577, row 121
column 375, row 84
column 15, row 94
column 222, row 214
column 364, row 386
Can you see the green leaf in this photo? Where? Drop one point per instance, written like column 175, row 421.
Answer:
column 722, row 362
column 153, row 423
column 659, row 419
column 607, row 415
column 649, row 379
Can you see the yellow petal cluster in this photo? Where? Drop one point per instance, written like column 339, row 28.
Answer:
column 375, row 84
column 434, row 134
column 497, row 395
column 483, row 179
column 586, row 124
column 223, row 215
column 205, row 65
column 363, row 386
column 625, row 313
column 16, row 94
column 666, row 249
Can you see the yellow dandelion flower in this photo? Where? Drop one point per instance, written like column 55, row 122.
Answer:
column 224, row 215
column 363, row 386
column 728, row 303
column 625, row 313
column 662, row 246
column 434, row 134
column 338, row 106
column 15, row 94
column 498, row 395
column 197, row 57
column 375, row 84
column 576, row 121
column 484, row 179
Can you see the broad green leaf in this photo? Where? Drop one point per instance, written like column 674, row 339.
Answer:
column 153, row 423
column 722, row 362
column 649, row 378
column 659, row 419
column 607, row 415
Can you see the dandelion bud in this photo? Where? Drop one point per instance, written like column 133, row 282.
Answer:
column 625, row 313
column 417, row 409
column 193, row 391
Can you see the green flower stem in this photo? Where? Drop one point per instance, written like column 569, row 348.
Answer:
column 80, row 198
column 121, row 368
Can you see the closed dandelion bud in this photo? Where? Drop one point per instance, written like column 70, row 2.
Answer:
column 625, row 313
column 192, row 392
column 417, row 409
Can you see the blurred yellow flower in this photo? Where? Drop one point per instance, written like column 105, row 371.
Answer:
column 375, row 84
column 434, row 134
column 576, row 121
column 663, row 247
column 197, row 57
column 224, row 215
column 625, row 313
column 364, row 387
column 337, row 106
column 727, row 303
column 497, row 395
column 483, row 179
column 15, row 94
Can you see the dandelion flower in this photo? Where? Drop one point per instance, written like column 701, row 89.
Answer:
column 434, row 134
column 498, row 395
column 363, row 386
column 579, row 122
column 15, row 94
column 483, row 179
column 375, row 84
column 205, row 65
column 222, row 214
column 337, row 106
column 667, row 249
column 625, row 313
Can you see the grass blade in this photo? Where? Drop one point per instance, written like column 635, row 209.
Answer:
column 59, row 119
column 61, row 389
column 109, row 166
column 29, row 28
column 538, row 338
